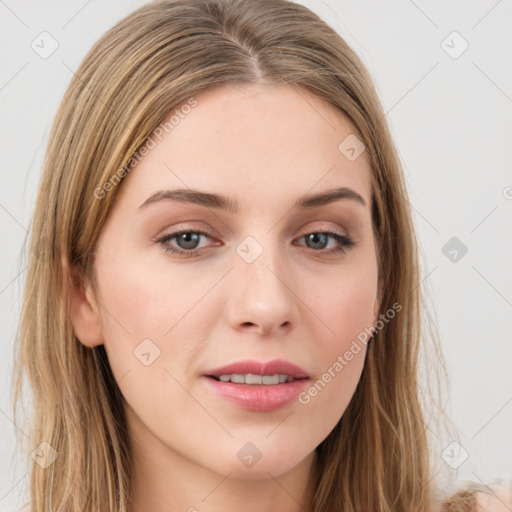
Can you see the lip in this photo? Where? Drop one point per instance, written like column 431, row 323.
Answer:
column 259, row 397
column 259, row 368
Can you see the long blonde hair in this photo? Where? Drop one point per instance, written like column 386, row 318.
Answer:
column 377, row 457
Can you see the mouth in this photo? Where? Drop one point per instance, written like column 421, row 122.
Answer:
column 253, row 379
column 256, row 386
column 277, row 371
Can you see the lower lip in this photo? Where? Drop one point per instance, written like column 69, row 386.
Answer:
column 258, row 397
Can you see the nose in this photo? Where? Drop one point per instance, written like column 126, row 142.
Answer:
column 262, row 297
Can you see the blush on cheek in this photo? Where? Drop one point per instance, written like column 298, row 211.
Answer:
column 351, row 315
column 355, row 309
column 133, row 301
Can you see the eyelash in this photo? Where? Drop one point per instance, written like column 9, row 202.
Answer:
column 344, row 242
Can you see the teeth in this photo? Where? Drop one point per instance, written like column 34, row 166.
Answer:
column 252, row 379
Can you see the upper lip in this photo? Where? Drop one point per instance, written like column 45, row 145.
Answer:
column 276, row 366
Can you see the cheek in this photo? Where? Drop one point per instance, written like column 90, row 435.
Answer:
column 151, row 307
column 148, row 312
column 346, row 302
column 346, row 305
column 353, row 309
column 144, row 298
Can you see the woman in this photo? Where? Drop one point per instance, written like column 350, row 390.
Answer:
column 227, row 313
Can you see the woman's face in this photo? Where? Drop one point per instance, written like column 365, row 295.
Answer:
column 258, row 286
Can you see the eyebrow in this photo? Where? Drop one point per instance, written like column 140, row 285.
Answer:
column 222, row 202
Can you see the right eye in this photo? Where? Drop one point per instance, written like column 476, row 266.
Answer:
column 188, row 239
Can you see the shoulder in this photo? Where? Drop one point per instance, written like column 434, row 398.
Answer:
column 497, row 499
column 477, row 497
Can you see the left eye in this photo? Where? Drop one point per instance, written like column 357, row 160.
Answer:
column 188, row 242
column 320, row 238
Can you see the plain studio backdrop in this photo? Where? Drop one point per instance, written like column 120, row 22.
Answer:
column 443, row 72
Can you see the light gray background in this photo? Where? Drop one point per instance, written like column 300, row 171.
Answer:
column 450, row 118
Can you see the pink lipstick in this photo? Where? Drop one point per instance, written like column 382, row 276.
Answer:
column 257, row 386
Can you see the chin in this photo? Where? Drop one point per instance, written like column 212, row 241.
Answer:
column 262, row 466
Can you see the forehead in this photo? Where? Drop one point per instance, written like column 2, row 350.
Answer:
column 257, row 142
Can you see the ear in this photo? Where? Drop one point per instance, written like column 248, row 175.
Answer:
column 83, row 309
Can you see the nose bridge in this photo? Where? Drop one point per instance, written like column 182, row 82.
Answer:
column 260, row 261
column 261, row 294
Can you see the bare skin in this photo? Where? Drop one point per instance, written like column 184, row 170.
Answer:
column 263, row 146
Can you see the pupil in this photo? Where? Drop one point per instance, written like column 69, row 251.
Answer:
column 186, row 238
column 322, row 236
